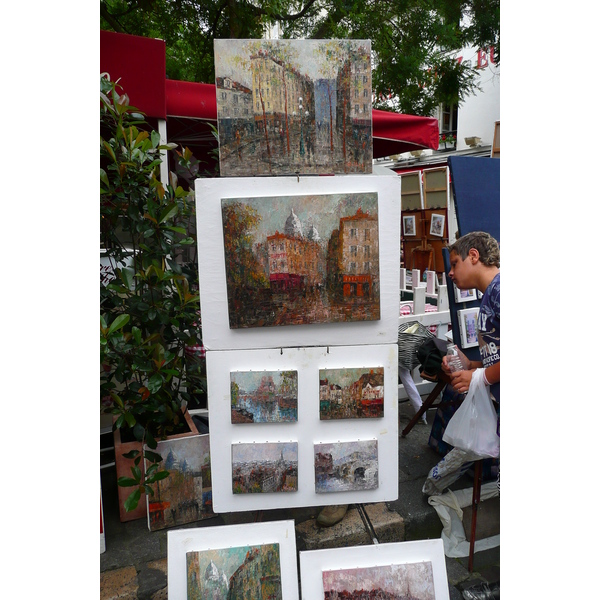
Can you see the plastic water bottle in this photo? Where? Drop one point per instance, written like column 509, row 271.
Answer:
column 454, row 362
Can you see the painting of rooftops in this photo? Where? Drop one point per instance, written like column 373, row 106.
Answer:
column 411, row 581
column 295, row 260
column 293, row 106
column 350, row 393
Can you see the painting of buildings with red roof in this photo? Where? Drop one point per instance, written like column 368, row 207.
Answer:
column 411, row 581
column 240, row 572
column 296, row 260
column 185, row 495
column 350, row 393
column 294, row 106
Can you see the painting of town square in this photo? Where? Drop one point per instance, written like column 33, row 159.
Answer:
column 294, row 260
column 413, row 581
column 346, row 466
column 350, row 393
column 265, row 467
column 293, row 106
column 264, row 396
column 241, row 572
column 186, row 494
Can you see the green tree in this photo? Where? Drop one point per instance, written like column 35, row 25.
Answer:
column 414, row 42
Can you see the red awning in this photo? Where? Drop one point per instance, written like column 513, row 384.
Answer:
column 188, row 107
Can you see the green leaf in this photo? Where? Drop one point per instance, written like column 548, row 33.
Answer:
column 155, row 139
column 152, row 456
column 158, row 476
column 126, row 481
column 118, row 323
column 131, row 454
column 168, row 213
column 133, row 500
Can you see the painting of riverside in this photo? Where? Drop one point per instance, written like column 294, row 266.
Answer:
column 243, row 572
column 294, row 260
column 350, row 393
column 264, row 396
column 264, row 468
column 346, row 466
column 294, row 106
column 186, row 494
column 412, row 581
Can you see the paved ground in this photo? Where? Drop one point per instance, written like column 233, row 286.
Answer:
column 134, row 565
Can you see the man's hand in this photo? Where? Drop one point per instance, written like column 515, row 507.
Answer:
column 461, row 380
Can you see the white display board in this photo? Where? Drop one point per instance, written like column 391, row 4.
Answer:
column 314, row 562
column 216, row 332
column 308, row 430
column 182, row 541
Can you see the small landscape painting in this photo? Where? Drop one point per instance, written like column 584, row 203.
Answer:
column 346, row 466
column 294, row 106
column 264, row 396
column 264, row 467
column 294, row 260
column 351, row 393
column 242, row 572
column 413, row 581
column 186, row 494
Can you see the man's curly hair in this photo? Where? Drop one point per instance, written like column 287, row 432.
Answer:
column 484, row 243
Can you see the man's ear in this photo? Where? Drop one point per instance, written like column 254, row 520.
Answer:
column 473, row 255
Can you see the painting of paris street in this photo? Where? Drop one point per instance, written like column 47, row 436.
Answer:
column 295, row 260
column 265, row 467
column 350, row 393
column 293, row 106
column 264, row 396
column 346, row 466
column 241, row 572
column 412, row 581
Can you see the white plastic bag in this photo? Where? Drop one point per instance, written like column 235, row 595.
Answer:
column 473, row 427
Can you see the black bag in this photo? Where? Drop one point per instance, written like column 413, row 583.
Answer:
column 430, row 355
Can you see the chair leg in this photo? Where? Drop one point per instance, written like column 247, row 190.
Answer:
column 478, row 468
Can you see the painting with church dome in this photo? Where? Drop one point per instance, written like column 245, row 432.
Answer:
column 240, row 572
column 294, row 106
column 410, row 581
column 297, row 260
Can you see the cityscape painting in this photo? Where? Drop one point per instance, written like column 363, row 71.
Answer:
column 264, row 396
column 264, row 467
column 346, row 466
column 241, row 572
column 294, row 106
column 294, row 260
column 412, row 581
column 186, row 494
column 350, row 393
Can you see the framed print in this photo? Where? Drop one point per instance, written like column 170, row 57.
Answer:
column 400, row 570
column 254, row 560
column 409, row 226
column 467, row 321
column 464, row 295
column 437, row 225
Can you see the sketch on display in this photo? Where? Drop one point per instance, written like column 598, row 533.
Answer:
column 264, row 467
column 241, row 572
column 350, row 393
column 437, row 225
column 464, row 295
column 186, row 494
column 467, row 320
column 264, row 396
column 288, row 106
column 293, row 260
column 408, row 225
column 346, row 466
column 411, row 581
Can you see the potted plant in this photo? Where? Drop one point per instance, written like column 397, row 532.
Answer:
column 149, row 309
column 448, row 140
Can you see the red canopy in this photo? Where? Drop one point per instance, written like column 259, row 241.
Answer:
column 139, row 63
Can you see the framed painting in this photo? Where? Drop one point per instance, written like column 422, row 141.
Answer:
column 293, row 106
column 254, row 560
column 437, row 225
column 464, row 295
column 264, row 468
column 409, row 227
column 294, row 260
column 264, row 396
column 415, row 570
column 351, row 393
column 346, row 466
column 467, row 321
column 185, row 495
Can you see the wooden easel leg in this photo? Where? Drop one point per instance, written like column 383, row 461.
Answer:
column 478, row 468
column 437, row 390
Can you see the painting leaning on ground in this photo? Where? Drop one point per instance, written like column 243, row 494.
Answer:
column 294, row 260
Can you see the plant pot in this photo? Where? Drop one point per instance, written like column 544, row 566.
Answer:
column 123, row 466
